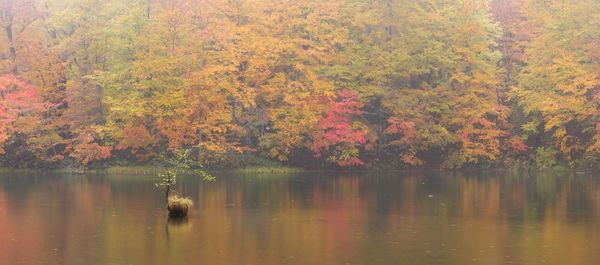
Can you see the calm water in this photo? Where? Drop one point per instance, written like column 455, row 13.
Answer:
column 408, row 218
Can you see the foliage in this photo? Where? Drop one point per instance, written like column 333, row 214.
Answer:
column 339, row 132
column 545, row 157
column 558, row 86
column 399, row 83
column 21, row 109
column 87, row 150
column 181, row 162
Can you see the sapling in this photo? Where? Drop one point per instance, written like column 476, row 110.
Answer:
column 180, row 163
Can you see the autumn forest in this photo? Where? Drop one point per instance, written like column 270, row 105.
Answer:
column 384, row 84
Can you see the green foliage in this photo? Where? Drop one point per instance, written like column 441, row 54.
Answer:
column 545, row 157
column 167, row 179
column 180, row 163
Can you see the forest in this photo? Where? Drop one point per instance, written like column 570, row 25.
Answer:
column 380, row 84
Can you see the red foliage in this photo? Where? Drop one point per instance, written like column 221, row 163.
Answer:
column 87, row 150
column 19, row 102
column 407, row 129
column 337, row 128
column 337, row 123
column 517, row 145
column 16, row 97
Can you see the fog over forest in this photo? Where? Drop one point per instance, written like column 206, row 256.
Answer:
column 384, row 84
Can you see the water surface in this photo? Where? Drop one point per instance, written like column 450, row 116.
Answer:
column 412, row 218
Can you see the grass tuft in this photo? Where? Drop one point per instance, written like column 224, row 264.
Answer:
column 178, row 206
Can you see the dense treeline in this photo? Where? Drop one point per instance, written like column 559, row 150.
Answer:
column 349, row 83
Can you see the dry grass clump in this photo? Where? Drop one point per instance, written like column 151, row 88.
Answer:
column 179, row 207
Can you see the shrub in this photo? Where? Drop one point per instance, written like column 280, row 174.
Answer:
column 545, row 157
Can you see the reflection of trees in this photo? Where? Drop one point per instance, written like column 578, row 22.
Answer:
column 306, row 219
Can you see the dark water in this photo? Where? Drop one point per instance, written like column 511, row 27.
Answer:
column 407, row 218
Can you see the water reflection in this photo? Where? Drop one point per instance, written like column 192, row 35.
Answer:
column 482, row 217
column 178, row 221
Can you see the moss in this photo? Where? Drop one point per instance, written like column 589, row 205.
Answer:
column 179, row 207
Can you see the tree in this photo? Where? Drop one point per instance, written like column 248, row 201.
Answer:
column 558, row 86
column 181, row 162
column 20, row 109
column 398, row 83
column 15, row 18
column 339, row 136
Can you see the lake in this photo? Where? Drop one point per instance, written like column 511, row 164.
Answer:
column 412, row 218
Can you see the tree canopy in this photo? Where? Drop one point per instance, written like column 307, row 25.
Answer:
column 341, row 83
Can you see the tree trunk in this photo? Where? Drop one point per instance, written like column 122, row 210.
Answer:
column 11, row 47
column 168, row 190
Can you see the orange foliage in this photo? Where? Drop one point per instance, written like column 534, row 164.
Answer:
column 135, row 138
column 87, row 150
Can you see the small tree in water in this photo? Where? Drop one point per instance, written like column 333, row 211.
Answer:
column 181, row 162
